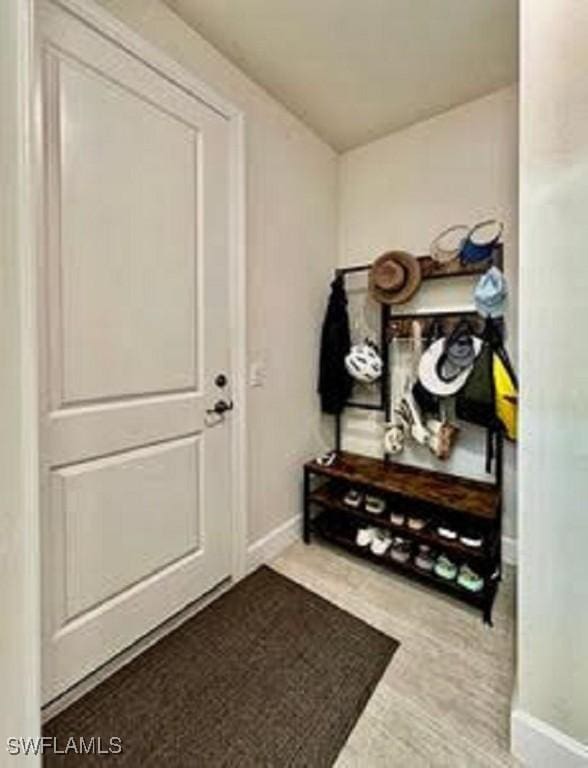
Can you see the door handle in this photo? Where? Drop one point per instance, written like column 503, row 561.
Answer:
column 216, row 414
column 221, row 407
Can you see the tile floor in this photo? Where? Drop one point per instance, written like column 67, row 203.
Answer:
column 445, row 698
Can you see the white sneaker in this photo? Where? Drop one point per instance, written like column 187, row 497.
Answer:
column 447, row 533
column 380, row 542
column 471, row 540
column 365, row 536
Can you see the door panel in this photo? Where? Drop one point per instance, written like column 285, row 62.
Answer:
column 115, row 531
column 109, row 301
column 134, row 328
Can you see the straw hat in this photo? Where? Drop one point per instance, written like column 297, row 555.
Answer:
column 394, row 277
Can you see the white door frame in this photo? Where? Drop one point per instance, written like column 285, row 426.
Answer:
column 108, row 26
column 20, row 701
column 20, row 317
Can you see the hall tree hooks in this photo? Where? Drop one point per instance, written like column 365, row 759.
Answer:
column 452, row 501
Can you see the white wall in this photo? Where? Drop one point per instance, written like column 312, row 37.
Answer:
column 553, row 455
column 19, row 625
column 291, row 250
column 401, row 191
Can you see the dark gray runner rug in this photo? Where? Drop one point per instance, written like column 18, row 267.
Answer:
column 270, row 674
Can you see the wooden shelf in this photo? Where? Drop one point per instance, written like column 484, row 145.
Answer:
column 479, row 599
column 469, row 497
column 433, row 270
column 328, row 496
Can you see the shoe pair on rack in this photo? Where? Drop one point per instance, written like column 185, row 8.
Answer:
column 373, row 504
column 413, row 522
column 380, row 541
column 469, row 539
column 376, row 539
column 466, row 576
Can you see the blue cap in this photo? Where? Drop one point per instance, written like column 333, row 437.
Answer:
column 490, row 293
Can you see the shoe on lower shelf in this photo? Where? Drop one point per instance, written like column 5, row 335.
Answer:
column 400, row 550
column 353, row 498
column 365, row 536
column 469, row 579
column 374, row 505
column 380, row 542
column 445, row 568
column 425, row 558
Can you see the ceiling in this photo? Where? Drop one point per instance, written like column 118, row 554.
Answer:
column 354, row 70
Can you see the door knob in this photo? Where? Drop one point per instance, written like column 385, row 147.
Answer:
column 221, row 407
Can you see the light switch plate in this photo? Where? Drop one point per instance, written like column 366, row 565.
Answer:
column 257, row 374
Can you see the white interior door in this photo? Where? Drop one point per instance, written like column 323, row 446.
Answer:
column 134, row 316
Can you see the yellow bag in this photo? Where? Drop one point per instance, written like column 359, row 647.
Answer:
column 506, row 396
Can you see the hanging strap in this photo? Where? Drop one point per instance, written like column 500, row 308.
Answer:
column 489, row 449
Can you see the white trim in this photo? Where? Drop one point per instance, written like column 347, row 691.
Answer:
column 509, row 550
column 539, row 745
column 109, row 26
column 238, row 320
column 29, row 119
column 274, row 543
column 19, row 519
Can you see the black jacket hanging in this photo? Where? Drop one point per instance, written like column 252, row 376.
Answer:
column 334, row 382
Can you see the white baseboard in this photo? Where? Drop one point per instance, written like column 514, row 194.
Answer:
column 539, row 745
column 271, row 545
column 509, row 550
